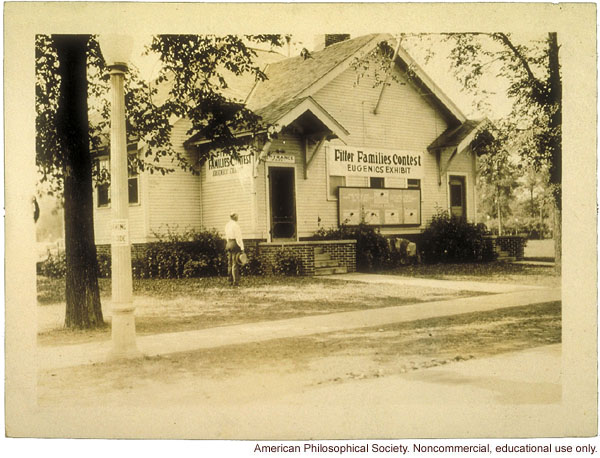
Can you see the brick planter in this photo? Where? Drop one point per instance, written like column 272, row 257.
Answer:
column 341, row 252
column 340, row 255
column 508, row 246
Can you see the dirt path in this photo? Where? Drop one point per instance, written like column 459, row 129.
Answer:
column 263, row 370
column 286, row 401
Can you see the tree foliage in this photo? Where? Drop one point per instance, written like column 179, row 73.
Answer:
column 530, row 74
column 72, row 84
column 191, row 84
column 498, row 173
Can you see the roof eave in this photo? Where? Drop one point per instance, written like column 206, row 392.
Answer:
column 461, row 145
column 471, row 136
column 309, row 104
column 197, row 141
column 404, row 57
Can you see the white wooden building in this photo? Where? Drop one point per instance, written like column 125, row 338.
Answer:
column 346, row 151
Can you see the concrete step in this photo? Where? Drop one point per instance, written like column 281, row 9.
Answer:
column 507, row 258
column 331, row 270
column 326, row 263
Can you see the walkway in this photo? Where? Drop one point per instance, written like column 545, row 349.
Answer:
column 481, row 287
column 525, row 262
column 159, row 344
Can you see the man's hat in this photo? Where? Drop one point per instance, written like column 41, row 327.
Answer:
column 241, row 258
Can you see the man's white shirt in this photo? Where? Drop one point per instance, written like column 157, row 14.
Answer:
column 233, row 231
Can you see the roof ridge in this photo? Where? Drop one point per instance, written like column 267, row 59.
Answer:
column 373, row 36
column 318, row 65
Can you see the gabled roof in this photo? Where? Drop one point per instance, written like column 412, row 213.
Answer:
column 290, row 77
column 291, row 81
column 281, row 114
column 300, row 77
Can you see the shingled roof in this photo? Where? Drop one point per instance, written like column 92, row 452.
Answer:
column 290, row 81
column 275, row 110
column 289, row 77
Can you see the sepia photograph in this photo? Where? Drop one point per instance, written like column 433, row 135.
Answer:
column 360, row 227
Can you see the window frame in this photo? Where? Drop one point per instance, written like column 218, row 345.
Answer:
column 330, row 196
column 130, row 176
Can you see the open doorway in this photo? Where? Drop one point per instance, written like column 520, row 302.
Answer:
column 282, row 196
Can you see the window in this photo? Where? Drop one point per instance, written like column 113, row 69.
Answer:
column 413, row 183
column 103, row 195
column 133, row 187
column 103, row 185
column 376, row 182
column 335, row 181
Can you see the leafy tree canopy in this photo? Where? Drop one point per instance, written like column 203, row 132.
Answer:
column 194, row 72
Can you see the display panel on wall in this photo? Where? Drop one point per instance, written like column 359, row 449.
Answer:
column 379, row 207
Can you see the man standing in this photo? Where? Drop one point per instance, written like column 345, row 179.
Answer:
column 235, row 245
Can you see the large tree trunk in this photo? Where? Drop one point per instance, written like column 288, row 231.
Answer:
column 556, row 143
column 82, row 294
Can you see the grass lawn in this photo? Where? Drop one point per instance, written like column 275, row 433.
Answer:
column 503, row 272
column 187, row 304
column 237, row 373
column 165, row 305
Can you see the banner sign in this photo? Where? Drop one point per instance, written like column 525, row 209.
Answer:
column 374, row 162
column 224, row 167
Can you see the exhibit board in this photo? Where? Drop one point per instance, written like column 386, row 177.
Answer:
column 379, row 207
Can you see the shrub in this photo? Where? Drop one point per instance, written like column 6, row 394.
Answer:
column 140, row 267
column 55, row 266
column 257, row 265
column 450, row 239
column 287, row 262
column 187, row 254
column 104, row 265
column 195, row 268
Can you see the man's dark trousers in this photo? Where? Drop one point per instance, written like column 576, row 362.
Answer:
column 233, row 269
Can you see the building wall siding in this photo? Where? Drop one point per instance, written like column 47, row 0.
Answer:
column 313, row 210
column 103, row 217
column 405, row 121
column 137, row 216
column 223, row 196
column 174, row 197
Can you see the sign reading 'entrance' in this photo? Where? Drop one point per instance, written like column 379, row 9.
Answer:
column 373, row 162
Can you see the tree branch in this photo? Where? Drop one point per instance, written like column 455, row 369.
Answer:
column 537, row 85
